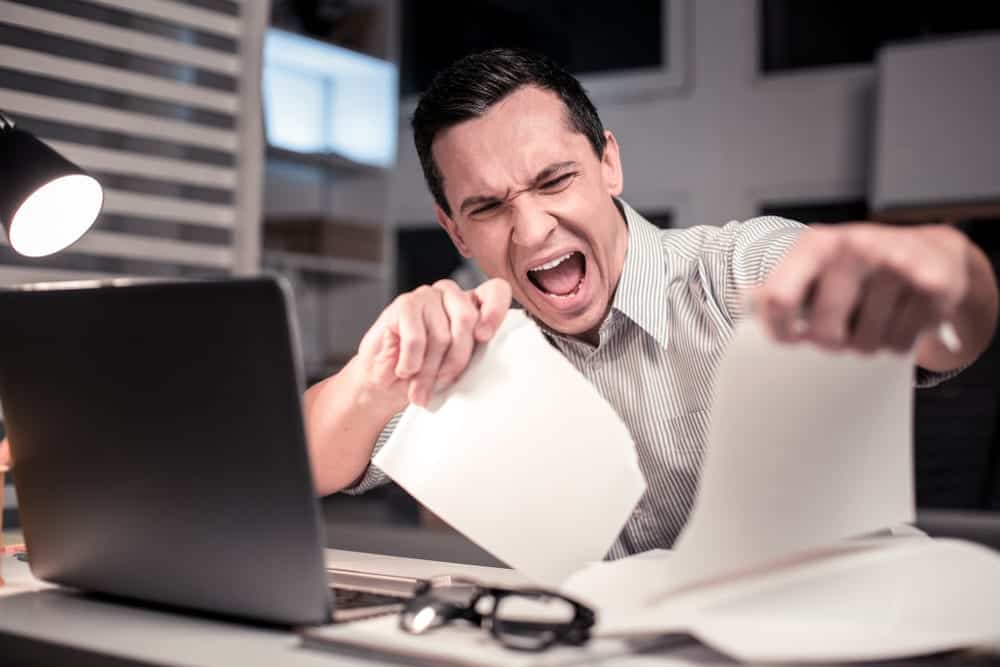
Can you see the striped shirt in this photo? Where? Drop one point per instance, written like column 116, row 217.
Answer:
column 674, row 309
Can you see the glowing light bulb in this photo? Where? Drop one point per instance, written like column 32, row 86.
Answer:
column 56, row 215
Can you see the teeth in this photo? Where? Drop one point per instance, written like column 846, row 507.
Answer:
column 553, row 264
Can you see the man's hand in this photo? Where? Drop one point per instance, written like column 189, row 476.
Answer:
column 5, row 458
column 425, row 338
column 866, row 286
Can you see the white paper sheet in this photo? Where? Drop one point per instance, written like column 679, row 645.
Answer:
column 623, row 584
column 806, row 448
column 914, row 598
column 521, row 455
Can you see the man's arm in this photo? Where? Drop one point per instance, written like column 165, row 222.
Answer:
column 423, row 340
column 867, row 286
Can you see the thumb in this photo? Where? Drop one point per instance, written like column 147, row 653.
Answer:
column 494, row 302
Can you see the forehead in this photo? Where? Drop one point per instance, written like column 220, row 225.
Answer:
column 508, row 145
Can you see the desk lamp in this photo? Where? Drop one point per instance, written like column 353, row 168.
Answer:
column 46, row 202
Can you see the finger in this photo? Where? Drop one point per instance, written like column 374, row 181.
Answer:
column 409, row 326
column 783, row 297
column 438, row 341
column 5, row 457
column 463, row 316
column 912, row 316
column 880, row 297
column 837, row 295
column 493, row 298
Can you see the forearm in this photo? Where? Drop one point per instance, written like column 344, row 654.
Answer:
column 975, row 320
column 342, row 425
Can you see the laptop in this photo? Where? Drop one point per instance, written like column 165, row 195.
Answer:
column 161, row 453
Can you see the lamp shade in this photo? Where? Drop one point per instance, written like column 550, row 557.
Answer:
column 46, row 201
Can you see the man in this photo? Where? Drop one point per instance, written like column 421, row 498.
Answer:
column 526, row 181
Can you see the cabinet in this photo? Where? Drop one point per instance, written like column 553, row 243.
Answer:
column 327, row 226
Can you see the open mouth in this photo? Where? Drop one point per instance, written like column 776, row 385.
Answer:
column 561, row 277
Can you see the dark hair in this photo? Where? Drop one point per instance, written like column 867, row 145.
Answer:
column 470, row 86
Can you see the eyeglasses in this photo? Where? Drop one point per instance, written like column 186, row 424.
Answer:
column 524, row 620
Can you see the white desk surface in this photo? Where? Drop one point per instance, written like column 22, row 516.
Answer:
column 33, row 612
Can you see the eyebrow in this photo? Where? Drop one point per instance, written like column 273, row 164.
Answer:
column 542, row 176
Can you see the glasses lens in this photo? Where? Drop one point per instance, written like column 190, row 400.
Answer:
column 440, row 603
column 424, row 613
column 532, row 622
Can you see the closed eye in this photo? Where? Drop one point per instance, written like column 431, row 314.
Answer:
column 558, row 183
column 484, row 209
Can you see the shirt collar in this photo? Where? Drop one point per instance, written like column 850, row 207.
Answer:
column 641, row 291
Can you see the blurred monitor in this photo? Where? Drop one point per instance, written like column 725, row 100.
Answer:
column 321, row 98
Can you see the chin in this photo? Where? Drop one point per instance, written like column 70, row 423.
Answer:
column 568, row 325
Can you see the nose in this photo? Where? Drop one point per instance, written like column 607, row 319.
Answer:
column 531, row 225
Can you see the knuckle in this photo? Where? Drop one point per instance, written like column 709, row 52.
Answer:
column 413, row 345
column 426, row 294
column 464, row 319
column 780, row 298
column 897, row 257
column 401, row 301
column 838, row 245
column 438, row 337
column 822, row 238
column 446, row 284
column 932, row 280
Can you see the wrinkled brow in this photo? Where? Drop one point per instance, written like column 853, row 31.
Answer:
column 542, row 176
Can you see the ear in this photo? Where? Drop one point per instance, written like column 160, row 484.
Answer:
column 611, row 165
column 449, row 226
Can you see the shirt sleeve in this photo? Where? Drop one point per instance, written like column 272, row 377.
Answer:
column 751, row 250
column 374, row 476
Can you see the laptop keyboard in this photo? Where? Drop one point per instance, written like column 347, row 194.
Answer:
column 352, row 605
column 351, row 599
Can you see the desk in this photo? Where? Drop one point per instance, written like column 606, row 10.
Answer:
column 43, row 625
column 40, row 624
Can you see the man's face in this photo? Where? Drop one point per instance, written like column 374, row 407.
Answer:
column 531, row 203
